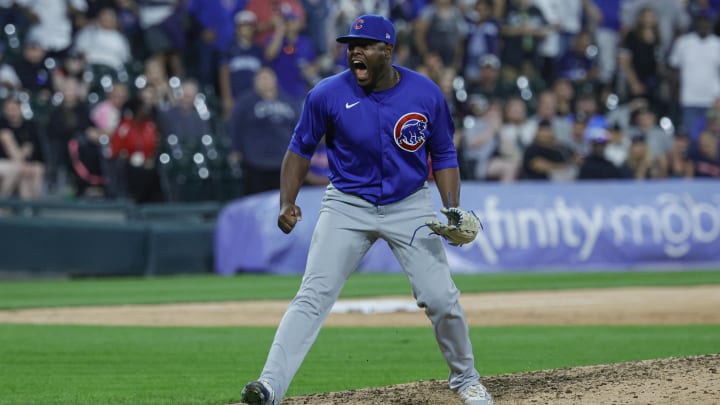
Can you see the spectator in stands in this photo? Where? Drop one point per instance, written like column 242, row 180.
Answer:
column 89, row 164
column 490, row 83
column 483, row 39
column 134, row 146
column 705, row 157
column 267, row 13
column 547, row 110
column 441, row 29
column 618, row 145
column 712, row 115
column 622, row 113
column 214, row 31
column 67, row 120
column 446, row 82
column 73, row 67
column 564, row 94
column 317, row 25
column 162, row 22
column 552, row 47
column 696, row 56
column 523, row 28
column 9, row 80
column 241, row 62
column 102, row 43
column 35, row 77
column 658, row 140
column 481, row 128
column 515, row 134
column 694, row 7
column 51, row 25
column 517, row 130
column 679, row 163
column 95, row 6
column 640, row 161
column 712, row 119
column 106, row 114
column 21, row 143
column 183, row 119
column 607, row 37
column 595, row 166
column 163, row 96
column 586, row 103
column 638, row 57
column 544, row 158
column 578, row 63
column 577, row 142
column 261, row 125
column 672, row 16
column 292, row 56
column 564, row 21
column 10, row 170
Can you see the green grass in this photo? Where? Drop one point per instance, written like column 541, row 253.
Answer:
column 115, row 291
column 131, row 365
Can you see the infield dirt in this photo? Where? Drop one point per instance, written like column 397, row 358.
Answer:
column 691, row 380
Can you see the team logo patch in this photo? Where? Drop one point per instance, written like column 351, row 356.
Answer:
column 410, row 131
column 359, row 23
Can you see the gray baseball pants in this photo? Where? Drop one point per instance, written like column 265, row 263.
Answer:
column 347, row 227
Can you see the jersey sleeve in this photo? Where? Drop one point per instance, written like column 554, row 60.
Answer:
column 311, row 127
column 441, row 148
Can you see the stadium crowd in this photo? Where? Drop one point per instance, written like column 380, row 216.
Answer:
column 174, row 100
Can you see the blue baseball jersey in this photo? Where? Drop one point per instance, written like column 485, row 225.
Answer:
column 378, row 143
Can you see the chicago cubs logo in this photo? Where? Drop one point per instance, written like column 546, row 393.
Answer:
column 410, row 131
column 359, row 23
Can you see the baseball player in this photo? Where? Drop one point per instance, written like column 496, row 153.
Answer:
column 380, row 122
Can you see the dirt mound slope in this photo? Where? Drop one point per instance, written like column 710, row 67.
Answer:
column 686, row 380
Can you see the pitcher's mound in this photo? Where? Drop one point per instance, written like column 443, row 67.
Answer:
column 687, row 380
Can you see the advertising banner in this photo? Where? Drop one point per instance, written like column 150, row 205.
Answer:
column 527, row 226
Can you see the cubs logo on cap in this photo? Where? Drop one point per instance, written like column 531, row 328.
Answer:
column 371, row 26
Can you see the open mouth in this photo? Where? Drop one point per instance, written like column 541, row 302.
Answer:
column 360, row 70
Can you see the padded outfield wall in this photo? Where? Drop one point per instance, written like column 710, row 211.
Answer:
column 96, row 238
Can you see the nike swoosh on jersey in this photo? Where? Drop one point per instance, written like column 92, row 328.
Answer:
column 349, row 106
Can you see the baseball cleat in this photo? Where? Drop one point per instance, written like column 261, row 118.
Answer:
column 476, row 395
column 258, row 393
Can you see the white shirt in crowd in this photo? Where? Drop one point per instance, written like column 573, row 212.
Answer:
column 54, row 30
column 566, row 15
column 698, row 60
column 105, row 47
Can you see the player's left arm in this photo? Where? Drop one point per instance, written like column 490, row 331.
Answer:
column 443, row 153
column 448, row 184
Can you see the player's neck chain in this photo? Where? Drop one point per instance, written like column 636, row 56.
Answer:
column 397, row 76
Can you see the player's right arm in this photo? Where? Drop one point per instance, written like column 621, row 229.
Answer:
column 296, row 164
column 292, row 174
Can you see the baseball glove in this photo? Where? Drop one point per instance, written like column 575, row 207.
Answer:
column 462, row 226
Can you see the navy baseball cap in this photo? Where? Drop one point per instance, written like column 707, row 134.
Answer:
column 371, row 26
